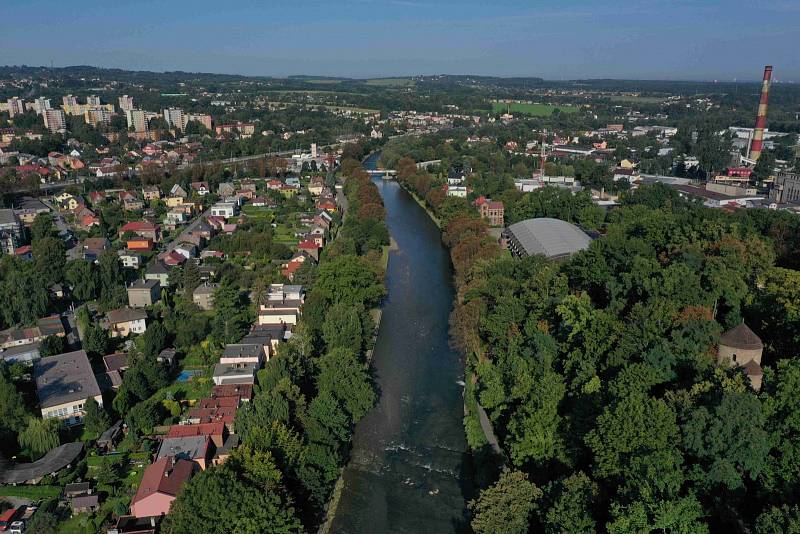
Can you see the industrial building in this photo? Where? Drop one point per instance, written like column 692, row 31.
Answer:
column 553, row 238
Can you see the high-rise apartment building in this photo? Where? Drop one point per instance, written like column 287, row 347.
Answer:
column 174, row 118
column 97, row 116
column 54, row 120
column 202, row 118
column 125, row 102
column 41, row 104
column 137, row 119
column 69, row 101
column 16, row 106
column 93, row 100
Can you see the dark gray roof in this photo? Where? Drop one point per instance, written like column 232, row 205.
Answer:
column 157, row 267
column 243, row 350
column 51, row 462
column 123, row 315
column 143, row 284
column 553, row 238
column 187, row 448
column 65, row 378
column 7, row 216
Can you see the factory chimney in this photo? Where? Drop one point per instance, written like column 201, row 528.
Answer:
column 761, row 118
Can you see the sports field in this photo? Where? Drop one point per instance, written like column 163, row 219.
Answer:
column 537, row 110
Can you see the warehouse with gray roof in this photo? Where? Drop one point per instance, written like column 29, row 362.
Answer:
column 553, row 238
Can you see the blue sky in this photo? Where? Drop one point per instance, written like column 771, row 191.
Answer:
column 566, row 39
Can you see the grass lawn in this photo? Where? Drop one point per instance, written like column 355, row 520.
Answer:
column 195, row 388
column 30, row 492
column 258, row 212
column 391, row 82
column 73, row 525
column 536, row 110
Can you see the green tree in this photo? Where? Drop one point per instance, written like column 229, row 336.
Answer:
column 12, row 410
column 783, row 520
column 43, row 227
column 231, row 317
column 95, row 340
column 342, row 328
column 52, row 345
column 572, row 502
column 96, row 420
column 48, row 255
column 349, row 280
column 80, row 275
column 217, row 501
column 347, row 379
column 111, row 280
column 40, row 435
column 506, row 506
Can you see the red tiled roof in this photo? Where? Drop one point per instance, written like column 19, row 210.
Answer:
column 137, row 226
column 218, row 402
column 165, row 477
column 203, row 429
column 308, row 244
column 244, row 391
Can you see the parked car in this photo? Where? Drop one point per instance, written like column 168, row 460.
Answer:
column 17, row 527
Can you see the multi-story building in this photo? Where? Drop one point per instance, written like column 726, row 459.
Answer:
column 95, row 116
column 137, row 119
column 126, row 103
column 41, row 104
column 202, row 118
column 69, row 101
column 786, row 188
column 64, row 383
column 10, row 231
column 174, row 118
column 142, row 293
column 54, row 120
column 16, row 106
column 93, row 100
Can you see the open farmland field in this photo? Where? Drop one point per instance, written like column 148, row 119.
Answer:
column 536, row 110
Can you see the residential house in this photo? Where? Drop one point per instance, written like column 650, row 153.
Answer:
column 63, row 385
column 143, row 292
column 203, row 296
column 130, row 202
column 217, row 432
column 94, row 246
column 130, row 258
column 225, row 209
column 125, row 321
column 741, row 347
column 140, row 244
column 201, row 188
column 226, row 189
column 142, row 229
column 235, row 373
column 161, row 483
column 310, row 247
column 178, row 191
column 195, row 448
column 151, row 192
column 156, row 270
column 28, row 208
column 282, row 305
column 243, row 392
column 117, row 361
column 243, row 353
column 214, row 411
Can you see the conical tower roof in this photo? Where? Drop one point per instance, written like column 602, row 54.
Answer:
column 741, row 337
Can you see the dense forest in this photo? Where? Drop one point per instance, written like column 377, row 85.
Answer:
column 599, row 373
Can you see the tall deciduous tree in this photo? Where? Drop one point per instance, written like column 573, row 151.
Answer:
column 506, row 506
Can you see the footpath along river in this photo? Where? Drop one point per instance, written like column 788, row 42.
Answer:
column 409, row 469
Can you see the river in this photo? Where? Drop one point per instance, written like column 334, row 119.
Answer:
column 409, row 469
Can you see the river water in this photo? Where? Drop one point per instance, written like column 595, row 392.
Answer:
column 409, row 469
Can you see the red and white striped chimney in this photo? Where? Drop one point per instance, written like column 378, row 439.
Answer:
column 761, row 118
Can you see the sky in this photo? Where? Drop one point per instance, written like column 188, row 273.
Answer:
column 559, row 39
